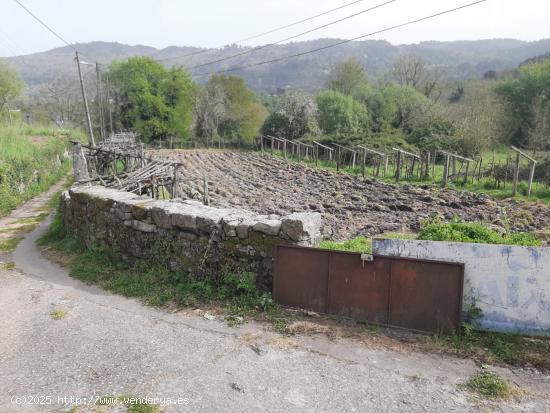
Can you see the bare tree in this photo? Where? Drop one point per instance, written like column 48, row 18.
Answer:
column 412, row 71
column 209, row 111
column 409, row 70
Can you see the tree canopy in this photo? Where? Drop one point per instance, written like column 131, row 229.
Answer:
column 527, row 99
column 345, row 77
column 11, row 85
column 293, row 116
column 229, row 109
column 341, row 114
column 154, row 101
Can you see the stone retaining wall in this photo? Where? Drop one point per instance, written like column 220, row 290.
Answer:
column 203, row 239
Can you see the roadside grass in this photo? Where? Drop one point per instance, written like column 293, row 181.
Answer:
column 10, row 265
column 492, row 347
column 155, row 284
column 491, row 386
column 10, row 244
column 58, row 314
column 29, row 167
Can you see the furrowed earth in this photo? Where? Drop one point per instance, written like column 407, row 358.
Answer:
column 350, row 205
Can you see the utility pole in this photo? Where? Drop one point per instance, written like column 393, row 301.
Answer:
column 109, row 105
column 100, row 102
column 86, row 109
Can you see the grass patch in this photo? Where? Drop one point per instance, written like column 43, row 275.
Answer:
column 10, row 265
column 476, row 232
column 492, row 347
column 490, row 385
column 9, row 244
column 358, row 244
column 155, row 284
column 58, row 314
column 27, row 168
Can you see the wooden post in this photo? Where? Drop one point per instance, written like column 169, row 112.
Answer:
column 398, row 167
column 386, row 161
column 284, row 147
column 206, row 195
column 262, row 143
column 427, row 173
column 516, row 176
column 446, row 170
column 353, row 160
column 364, row 161
column 86, row 109
column 531, row 175
column 100, row 103
column 338, row 160
column 466, row 173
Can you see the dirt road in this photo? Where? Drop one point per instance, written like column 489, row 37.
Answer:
column 102, row 344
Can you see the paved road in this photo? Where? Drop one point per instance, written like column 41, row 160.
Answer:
column 111, row 345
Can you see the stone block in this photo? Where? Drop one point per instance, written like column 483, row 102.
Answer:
column 302, row 226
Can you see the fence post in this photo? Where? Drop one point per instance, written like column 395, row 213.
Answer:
column 516, row 176
column 446, row 170
column 531, row 176
column 398, row 167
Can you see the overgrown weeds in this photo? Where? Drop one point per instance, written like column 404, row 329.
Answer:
column 28, row 168
column 157, row 285
column 358, row 244
column 491, row 385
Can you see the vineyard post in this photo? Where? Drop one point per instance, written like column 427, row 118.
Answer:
column 398, row 167
column 446, row 170
column 531, row 175
column 516, row 175
column 364, row 161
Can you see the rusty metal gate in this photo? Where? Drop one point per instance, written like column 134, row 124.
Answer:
column 410, row 293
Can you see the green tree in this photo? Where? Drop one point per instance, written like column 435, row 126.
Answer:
column 346, row 76
column 527, row 102
column 243, row 113
column 155, row 102
column 293, row 116
column 341, row 114
column 11, row 86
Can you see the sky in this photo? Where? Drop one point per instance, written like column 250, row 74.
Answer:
column 215, row 23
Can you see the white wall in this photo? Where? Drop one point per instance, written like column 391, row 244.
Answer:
column 510, row 284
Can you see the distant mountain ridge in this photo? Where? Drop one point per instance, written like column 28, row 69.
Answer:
column 457, row 59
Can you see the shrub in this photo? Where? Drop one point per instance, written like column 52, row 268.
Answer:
column 476, row 232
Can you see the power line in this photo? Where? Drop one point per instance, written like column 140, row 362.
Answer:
column 410, row 22
column 293, row 37
column 46, row 26
column 50, row 29
column 267, row 32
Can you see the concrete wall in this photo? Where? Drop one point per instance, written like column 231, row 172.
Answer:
column 510, row 284
column 188, row 234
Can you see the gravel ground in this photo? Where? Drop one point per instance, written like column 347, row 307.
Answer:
column 110, row 345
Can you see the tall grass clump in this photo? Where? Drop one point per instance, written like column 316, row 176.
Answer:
column 31, row 160
column 476, row 232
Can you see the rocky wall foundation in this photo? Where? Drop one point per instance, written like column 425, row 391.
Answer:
column 184, row 234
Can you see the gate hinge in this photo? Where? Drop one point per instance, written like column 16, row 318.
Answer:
column 366, row 257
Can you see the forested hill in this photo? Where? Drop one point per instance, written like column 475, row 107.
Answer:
column 457, row 59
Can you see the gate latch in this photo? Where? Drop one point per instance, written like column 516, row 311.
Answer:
column 366, row 257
